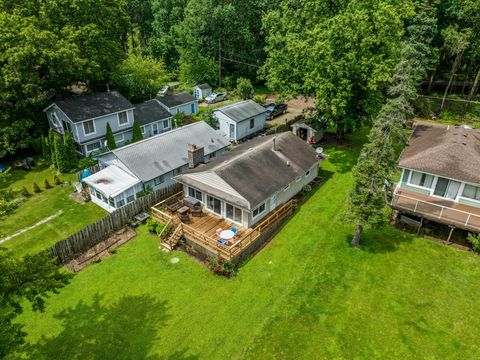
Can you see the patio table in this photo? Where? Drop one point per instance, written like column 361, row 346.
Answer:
column 227, row 234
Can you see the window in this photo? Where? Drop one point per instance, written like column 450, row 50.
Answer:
column 166, row 124
column 447, row 188
column 211, row 156
column 130, row 198
column 66, row 126
column 54, row 118
column 252, row 123
column 88, row 127
column 143, row 130
column 471, row 192
column 307, row 173
column 93, row 146
column 120, row 203
column 233, row 213
column 177, row 171
column 158, row 180
column 214, row 204
column 111, row 202
column 421, row 179
column 118, row 138
column 155, row 129
column 194, row 193
column 259, row 210
column 122, row 118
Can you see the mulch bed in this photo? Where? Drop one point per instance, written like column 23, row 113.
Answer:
column 102, row 250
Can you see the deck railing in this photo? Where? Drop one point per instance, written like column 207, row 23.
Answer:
column 436, row 211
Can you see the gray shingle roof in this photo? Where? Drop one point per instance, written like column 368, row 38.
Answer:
column 242, row 110
column 204, row 86
column 449, row 151
column 150, row 111
column 255, row 170
column 92, row 106
column 160, row 154
column 176, row 99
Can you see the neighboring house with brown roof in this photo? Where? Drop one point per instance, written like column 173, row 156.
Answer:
column 441, row 176
column 250, row 181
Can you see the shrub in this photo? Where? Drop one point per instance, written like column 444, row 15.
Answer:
column 86, row 162
column 25, row 192
column 147, row 191
column 260, row 99
column 56, row 180
column 36, row 188
column 474, row 240
column 156, row 227
column 136, row 132
column 220, row 266
column 8, row 202
column 244, row 88
column 47, row 184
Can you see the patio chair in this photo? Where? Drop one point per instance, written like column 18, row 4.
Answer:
column 184, row 217
column 223, row 241
column 234, row 230
column 218, row 231
column 173, row 205
column 197, row 211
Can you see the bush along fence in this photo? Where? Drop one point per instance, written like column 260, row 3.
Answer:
column 74, row 245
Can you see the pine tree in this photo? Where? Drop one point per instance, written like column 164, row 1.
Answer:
column 36, row 188
column 137, row 132
column 70, row 152
column 61, row 162
column 51, row 148
column 110, row 138
column 47, row 184
column 46, row 153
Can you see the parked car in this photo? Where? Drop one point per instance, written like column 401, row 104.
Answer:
column 216, row 97
column 167, row 89
column 273, row 110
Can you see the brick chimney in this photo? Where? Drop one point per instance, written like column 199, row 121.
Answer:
column 196, row 155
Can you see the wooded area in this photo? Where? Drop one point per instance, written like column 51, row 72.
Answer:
column 344, row 52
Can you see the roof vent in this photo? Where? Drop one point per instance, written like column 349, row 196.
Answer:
column 288, row 163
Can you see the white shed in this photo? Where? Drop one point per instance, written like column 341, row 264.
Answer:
column 201, row 91
column 307, row 131
column 241, row 119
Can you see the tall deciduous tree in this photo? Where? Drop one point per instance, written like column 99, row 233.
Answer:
column 345, row 60
column 32, row 278
column 140, row 78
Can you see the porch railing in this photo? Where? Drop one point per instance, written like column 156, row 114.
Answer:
column 434, row 211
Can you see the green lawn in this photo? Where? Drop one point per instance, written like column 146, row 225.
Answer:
column 307, row 295
column 49, row 202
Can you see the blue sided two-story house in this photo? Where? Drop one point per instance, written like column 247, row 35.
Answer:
column 86, row 117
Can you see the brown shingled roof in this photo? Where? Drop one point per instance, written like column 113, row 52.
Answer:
column 449, row 151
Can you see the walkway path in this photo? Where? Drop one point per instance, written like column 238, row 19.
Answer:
column 25, row 229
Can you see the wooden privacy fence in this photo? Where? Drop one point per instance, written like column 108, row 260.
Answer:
column 74, row 245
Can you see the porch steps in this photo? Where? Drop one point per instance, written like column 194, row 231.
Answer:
column 172, row 241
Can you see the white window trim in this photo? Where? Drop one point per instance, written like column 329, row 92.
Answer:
column 94, row 128
column 421, row 187
column 460, row 191
column 118, row 118
column 97, row 142
column 232, row 220
column 260, row 213
column 142, row 128
column 168, row 124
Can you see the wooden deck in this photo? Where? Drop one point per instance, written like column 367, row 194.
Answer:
column 437, row 209
column 202, row 229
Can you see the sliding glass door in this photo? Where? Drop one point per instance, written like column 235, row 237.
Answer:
column 214, row 204
column 233, row 213
column 447, row 188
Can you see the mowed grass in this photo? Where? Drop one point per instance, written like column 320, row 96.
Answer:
column 72, row 218
column 306, row 295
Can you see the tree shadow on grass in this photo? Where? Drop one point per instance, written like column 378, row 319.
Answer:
column 383, row 240
column 343, row 159
column 124, row 330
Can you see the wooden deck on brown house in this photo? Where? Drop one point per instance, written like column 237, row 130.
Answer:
column 201, row 230
column 437, row 209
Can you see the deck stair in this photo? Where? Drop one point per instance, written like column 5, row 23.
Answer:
column 172, row 241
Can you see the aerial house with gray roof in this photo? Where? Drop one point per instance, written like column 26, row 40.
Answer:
column 250, row 181
column 240, row 120
column 152, row 163
column 440, row 179
column 181, row 103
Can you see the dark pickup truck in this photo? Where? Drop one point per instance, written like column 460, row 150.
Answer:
column 273, row 110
